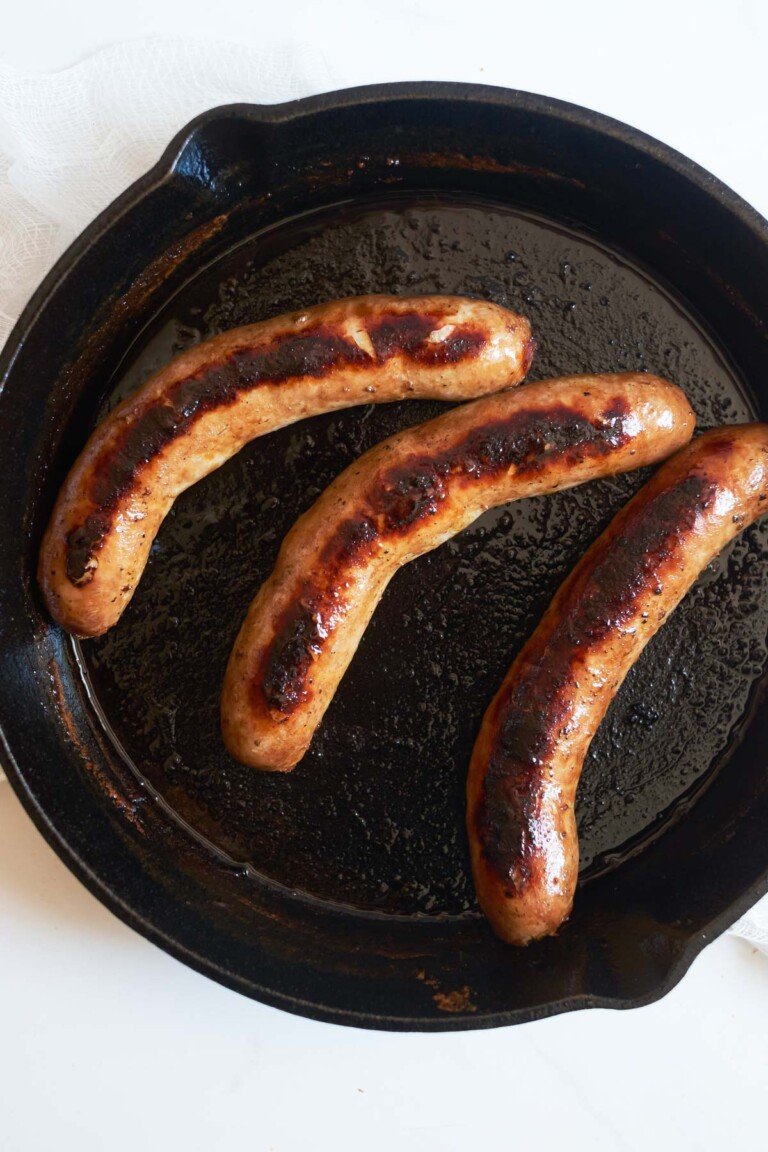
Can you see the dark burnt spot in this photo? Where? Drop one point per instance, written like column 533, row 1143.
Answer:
column 633, row 561
column 83, row 543
column 351, row 539
column 114, row 472
column 601, row 595
column 313, row 353
column 394, row 335
column 291, row 657
column 529, row 440
column 407, row 495
column 409, row 335
column 462, row 344
column 616, row 411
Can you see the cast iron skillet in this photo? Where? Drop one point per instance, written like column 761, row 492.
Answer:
column 341, row 892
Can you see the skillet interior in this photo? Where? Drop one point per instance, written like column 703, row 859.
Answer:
column 383, row 930
column 373, row 816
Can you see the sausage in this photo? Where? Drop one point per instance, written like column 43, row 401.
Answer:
column 210, row 401
column 404, row 497
column 535, row 735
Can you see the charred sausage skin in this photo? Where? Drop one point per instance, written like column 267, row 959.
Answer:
column 406, row 496
column 532, row 743
column 213, row 399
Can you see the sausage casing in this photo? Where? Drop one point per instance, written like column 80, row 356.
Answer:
column 530, row 750
column 213, row 399
column 404, row 497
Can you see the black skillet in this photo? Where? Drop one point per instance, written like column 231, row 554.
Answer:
column 341, row 892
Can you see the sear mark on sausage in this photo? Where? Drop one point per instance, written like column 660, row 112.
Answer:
column 404, row 496
column 538, row 706
column 314, row 353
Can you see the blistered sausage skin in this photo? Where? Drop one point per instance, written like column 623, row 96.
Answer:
column 406, row 496
column 531, row 746
column 210, row 401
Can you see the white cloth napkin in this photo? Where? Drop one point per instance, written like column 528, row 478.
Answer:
column 71, row 141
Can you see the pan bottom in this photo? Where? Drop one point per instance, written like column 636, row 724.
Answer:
column 373, row 817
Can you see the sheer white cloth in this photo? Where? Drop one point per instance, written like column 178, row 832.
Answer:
column 71, row 141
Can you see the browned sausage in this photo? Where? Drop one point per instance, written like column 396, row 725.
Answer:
column 531, row 747
column 211, row 400
column 406, row 496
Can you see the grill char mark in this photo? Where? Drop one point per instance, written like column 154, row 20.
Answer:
column 537, row 707
column 405, row 496
column 314, row 353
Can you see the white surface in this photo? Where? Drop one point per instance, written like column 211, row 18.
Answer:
column 109, row 1045
column 105, row 1042
column 73, row 140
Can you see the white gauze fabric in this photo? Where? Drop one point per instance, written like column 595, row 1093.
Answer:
column 71, row 141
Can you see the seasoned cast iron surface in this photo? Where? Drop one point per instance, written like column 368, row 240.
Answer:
column 373, row 816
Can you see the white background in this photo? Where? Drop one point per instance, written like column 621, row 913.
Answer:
column 108, row 1044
